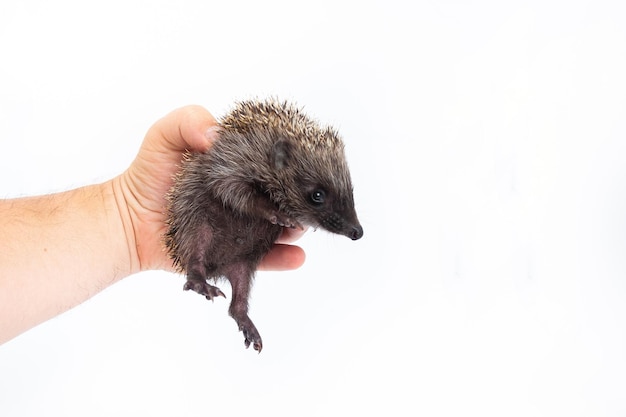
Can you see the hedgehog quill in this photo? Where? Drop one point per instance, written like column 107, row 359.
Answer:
column 272, row 167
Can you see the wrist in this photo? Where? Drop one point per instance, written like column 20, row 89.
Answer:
column 121, row 225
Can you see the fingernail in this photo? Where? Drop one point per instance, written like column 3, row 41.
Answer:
column 212, row 133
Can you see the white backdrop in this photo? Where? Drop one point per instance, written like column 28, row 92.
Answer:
column 487, row 143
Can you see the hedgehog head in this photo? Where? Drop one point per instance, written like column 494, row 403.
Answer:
column 305, row 173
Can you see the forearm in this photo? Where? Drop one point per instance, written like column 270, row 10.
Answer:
column 57, row 251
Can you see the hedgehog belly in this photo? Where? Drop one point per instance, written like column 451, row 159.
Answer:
column 228, row 238
column 241, row 239
column 206, row 240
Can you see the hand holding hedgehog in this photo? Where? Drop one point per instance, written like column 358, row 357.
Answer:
column 58, row 250
column 271, row 168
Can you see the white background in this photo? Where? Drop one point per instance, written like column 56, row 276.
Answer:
column 487, row 143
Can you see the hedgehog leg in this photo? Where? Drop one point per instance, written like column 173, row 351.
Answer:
column 198, row 269
column 240, row 277
column 268, row 210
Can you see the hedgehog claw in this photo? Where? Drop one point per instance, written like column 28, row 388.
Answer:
column 251, row 335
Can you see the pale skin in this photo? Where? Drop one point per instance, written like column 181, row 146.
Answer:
column 58, row 250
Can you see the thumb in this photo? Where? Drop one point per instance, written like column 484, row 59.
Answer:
column 190, row 127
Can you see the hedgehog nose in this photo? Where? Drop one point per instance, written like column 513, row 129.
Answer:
column 357, row 232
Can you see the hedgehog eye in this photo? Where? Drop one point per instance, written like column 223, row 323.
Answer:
column 318, row 197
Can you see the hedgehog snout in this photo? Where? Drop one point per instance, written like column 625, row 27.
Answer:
column 337, row 224
column 357, row 232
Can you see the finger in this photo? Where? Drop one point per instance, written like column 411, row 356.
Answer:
column 189, row 127
column 283, row 258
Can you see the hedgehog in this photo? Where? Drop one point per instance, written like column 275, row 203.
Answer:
column 272, row 167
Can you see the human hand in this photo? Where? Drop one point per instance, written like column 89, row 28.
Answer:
column 140, row 191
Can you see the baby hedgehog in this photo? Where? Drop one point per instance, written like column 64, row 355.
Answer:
column 272, row 167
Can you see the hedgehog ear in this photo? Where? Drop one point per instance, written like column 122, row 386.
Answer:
column 280, row 154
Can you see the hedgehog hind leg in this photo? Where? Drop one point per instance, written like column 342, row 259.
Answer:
column 240, row 277
column 198, row 268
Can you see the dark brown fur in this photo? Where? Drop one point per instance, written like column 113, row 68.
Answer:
column 272, row 167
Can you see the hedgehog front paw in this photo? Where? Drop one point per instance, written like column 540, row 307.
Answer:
column 284, row 221
column 203, row 288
